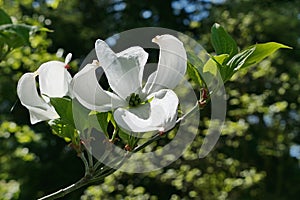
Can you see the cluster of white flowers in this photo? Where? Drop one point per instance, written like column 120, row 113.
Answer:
column 135, row 107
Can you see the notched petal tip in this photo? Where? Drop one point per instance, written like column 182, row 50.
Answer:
column 171, row 65
column 156, row 38
column 100, row 43
column 159, row 38
column 96, row 63
column 54, row 79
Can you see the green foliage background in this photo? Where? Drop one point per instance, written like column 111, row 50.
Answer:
column 252, row 159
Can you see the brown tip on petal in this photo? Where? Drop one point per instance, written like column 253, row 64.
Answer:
column 67, row 66
column 155, row 39
column 96, row 62
column 161, row 131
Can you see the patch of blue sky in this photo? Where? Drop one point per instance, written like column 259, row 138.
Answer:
column 119, row 6
column 253, row 119
column 146, row 14
column 295, row 151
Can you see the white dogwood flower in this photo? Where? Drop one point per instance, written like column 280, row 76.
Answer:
column 135, row 108
column 54, row 81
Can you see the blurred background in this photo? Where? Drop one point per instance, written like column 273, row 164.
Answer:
column 257, row 156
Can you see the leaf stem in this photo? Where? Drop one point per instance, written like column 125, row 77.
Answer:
column 85, row 162
column 89, row 149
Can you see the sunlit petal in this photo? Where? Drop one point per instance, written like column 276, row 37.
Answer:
column 39, row 110
column 54, row 79
column 148, row 85
column 158, row 115
column 171, row 66
column 90, row 94
column 123, row 70
column 68, row 58
column 38, row 115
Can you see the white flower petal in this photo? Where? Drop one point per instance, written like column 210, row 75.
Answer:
column 54, row 79
column 38, row 115
column 158, row 115
column 39, row 110
column 148, row 85
column 68, row 58
column 124, row 70
column 90, row 94
column 171, row 65
column 70, row 90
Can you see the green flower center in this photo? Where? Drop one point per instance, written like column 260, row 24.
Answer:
column 134, row 100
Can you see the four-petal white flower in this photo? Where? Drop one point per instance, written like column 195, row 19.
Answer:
column 135, row 108
column 54, row 81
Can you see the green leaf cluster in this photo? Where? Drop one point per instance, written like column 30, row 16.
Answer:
column 13, row 35
column 227, row 59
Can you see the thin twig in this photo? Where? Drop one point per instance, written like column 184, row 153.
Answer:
column 86, row 165
column 89, row 149
column 62, row 192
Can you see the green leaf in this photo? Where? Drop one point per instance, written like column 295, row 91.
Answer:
column 220, row 64
column 65, row 131
column 54, row 3
column 210, row 67
column 210, row 74
column 196, row 60
column 73, row 118
column 4, row 18
column 127, row 138
column 103, row 120
column 63, row 107
column 195, row 68
column 16, row 35
column 222, row 42
column 12, row 35
column 43, row 29
column 132, row 141
column 262, row 51
column 110, row 118
column 194, row 74
column 84, row 118
column 124, row 136
column 239, row 60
